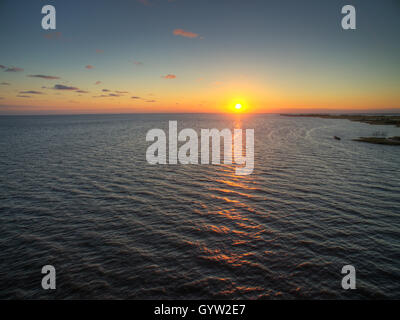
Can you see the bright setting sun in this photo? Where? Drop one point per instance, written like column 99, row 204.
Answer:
column 238, row 105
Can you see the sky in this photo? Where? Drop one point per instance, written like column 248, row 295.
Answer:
column 198, row 56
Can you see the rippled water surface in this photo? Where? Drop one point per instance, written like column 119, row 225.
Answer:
column 77, row 193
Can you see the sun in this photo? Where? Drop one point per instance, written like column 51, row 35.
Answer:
column 237, row 105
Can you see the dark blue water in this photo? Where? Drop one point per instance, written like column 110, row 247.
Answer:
column 76, row 192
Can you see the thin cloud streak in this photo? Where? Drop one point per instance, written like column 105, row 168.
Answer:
column 53, row 35
column 31, row 92
column 186, row 34
column 62, row 87
column 42, row 76
column 14, row 69
column 145, row 2
column 169, row 76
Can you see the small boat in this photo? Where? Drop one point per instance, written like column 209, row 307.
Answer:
column 337, row 138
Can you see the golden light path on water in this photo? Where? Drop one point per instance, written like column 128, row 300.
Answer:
column 238, row 227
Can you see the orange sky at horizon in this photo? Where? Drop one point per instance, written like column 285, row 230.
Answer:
column 217, row 99
column 197, row 96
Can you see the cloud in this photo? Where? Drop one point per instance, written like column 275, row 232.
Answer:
column 186, row 34
column 89, row 66
column 13, row 69
column 53, row 35
column 138, row 63
column 107, row 95
column 144, row 2
column 31, row 92
column 2, row 67
column 97, row 82
column 82, row 91
column 105, row 90
column 22, row 96
column 134, row 97
column 62, row 87
column 43, row 76
column 121, row 91
column 151, row 101
column 99, row 51
column 169, row 76
column 4, row 84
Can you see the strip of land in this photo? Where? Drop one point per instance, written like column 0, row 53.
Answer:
column 370, row 119
column 393, row 141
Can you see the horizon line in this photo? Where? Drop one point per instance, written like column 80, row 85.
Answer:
column 386, row 111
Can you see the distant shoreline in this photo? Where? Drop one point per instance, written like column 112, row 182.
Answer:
column 370, row 119
column 393, row 141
